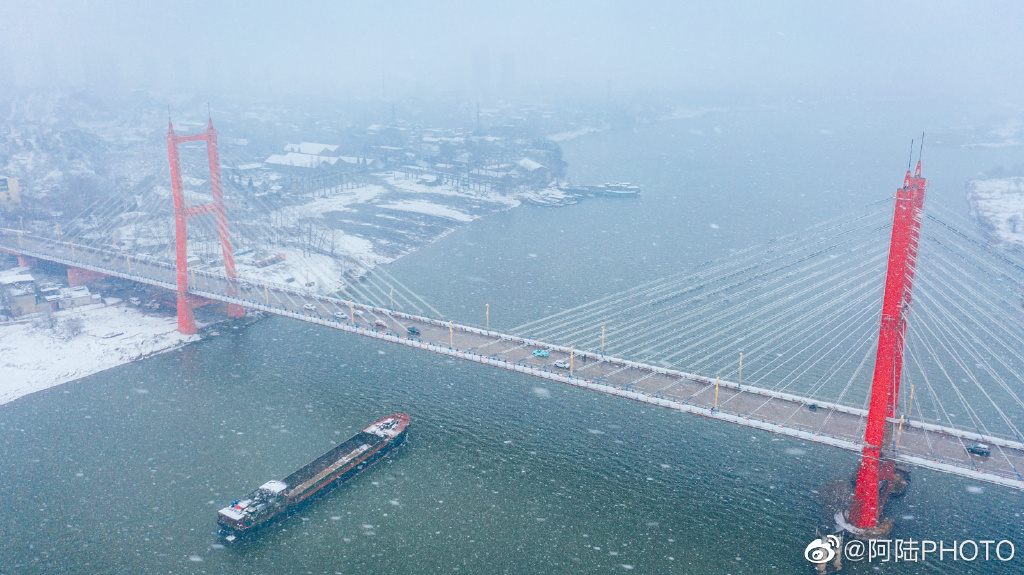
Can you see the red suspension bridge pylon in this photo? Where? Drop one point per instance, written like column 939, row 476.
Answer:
column 877, row 468
column 186, row 322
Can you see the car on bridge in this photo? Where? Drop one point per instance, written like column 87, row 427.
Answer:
column 309, row 307
column 413, row 330
column 541, row 352
column 340, row 315
column 380, row 323
column 562, row 364
column 981, row 449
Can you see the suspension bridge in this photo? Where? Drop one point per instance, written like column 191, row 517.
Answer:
column 802, row 311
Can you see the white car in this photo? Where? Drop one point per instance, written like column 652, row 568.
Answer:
column 340, row 315
column 562, row 364
column 309, row 306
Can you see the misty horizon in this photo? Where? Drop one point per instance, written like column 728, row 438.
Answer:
column 875, row 51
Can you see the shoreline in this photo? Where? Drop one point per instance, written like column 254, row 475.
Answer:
column 36, row 358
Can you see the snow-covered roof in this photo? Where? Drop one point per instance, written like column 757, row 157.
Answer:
column 249, row 166
column 16, row 279
column 232, row 513
column 529, row 164
column 489, row 173
column 14, row 271
column 274, row 486
column 300, row 160
column 310, row 148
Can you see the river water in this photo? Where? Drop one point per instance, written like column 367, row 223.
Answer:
column 123, row 471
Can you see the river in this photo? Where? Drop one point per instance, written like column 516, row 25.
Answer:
column 123, row 471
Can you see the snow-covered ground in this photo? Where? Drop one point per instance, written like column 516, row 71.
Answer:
column 33, row 357
column 573, row 134
column 415, row 186
column 998, row 204
column 425, row 207
column 298, row 268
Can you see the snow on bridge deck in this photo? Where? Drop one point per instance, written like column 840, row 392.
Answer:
column 921, row 444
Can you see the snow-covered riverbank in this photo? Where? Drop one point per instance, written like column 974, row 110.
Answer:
column 34, row 357
column 998, row 204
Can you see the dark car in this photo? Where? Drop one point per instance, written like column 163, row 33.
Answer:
column 979, row 449
column 413, row 330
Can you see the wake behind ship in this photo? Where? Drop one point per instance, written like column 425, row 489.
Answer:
column 274, row 499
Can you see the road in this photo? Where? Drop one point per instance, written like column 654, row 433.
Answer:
column 919, row 444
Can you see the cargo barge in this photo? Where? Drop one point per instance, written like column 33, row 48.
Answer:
column 276, row 499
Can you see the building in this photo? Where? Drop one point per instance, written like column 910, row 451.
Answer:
column 10, row 194
column 312, row 149
column 534, row 171
column 300, row 160
column 305, row 155
column 23, row 294
column 17, row 286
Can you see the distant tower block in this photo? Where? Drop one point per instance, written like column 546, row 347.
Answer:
column 186, row 322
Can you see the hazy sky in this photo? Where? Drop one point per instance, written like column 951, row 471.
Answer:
column 891, row 49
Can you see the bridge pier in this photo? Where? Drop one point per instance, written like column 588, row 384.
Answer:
column 26, row 262
column 79, row 276
column 186, row 321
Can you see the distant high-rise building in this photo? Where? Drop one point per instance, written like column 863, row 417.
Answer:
column 507, row 75
column 481, row 72
column 10, row 194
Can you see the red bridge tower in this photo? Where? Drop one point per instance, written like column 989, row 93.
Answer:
column 186, row 323
column 877, row 468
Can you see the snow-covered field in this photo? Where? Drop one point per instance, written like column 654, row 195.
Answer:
column 425, row 207
column 998, row 204
column 573, row 134
column 33, row 357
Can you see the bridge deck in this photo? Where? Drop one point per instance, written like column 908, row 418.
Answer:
column 921, row 444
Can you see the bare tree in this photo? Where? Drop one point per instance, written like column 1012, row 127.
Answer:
column 71, row 327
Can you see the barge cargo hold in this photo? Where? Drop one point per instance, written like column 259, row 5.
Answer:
column 275, row 499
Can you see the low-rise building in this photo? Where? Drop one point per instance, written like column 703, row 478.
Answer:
column 23, row 293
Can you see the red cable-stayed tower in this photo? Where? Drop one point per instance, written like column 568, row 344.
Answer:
column 186, row 322
column 877, row 468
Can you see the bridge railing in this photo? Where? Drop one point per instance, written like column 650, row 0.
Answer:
column 461, row 327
